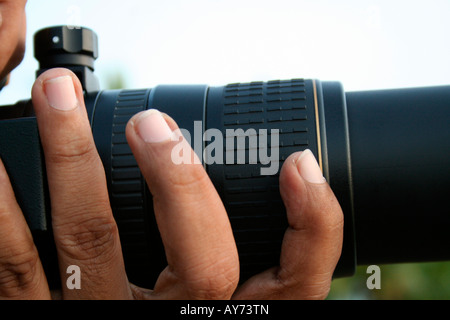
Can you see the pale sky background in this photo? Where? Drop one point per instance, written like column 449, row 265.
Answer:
column 366, row 45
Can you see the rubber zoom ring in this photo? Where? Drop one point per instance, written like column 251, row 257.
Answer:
column 252, row 199
column 127, row 189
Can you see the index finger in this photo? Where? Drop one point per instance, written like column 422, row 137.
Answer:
column 85, row 232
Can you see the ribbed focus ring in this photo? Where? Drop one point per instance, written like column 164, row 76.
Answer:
column 127, row 184
column 253, row 200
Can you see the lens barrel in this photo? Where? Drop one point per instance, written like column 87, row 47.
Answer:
column 384, row 154
column 400, row 142
column 295, row 109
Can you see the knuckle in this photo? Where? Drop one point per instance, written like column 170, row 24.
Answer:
column 18, row 272
column 72, row 150
column 318, row 291
column 329, row 217
column 216, row 283
column 191, row 179
column 91, row 239
column 314, row 287
column 214, row 289
column 330, row 224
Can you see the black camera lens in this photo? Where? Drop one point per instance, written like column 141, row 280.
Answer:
column 384, row 153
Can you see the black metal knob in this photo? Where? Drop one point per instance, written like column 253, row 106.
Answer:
column 64, row 46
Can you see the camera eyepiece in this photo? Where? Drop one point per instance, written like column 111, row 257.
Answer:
column 74, row 48
column 66, row 46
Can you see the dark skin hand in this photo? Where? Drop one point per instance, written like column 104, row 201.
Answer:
column 201, row 264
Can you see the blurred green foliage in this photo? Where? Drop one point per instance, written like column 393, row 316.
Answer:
column 416, row 281
column 113, row 80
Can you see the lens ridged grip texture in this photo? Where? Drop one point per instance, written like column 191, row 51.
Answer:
column 127, row 189
column 252, row 200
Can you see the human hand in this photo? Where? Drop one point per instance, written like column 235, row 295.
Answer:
column 198, row 240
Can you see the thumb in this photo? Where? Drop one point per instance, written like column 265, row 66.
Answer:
column 313, row 243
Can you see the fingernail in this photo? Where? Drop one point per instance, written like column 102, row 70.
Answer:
column 60, row 93
column 309, row 168
column 152, row 127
